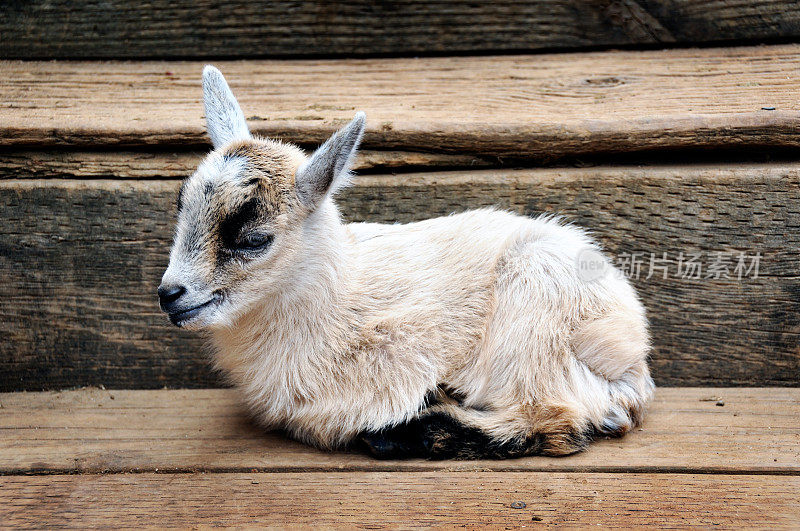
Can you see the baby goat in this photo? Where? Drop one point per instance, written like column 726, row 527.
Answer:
column 467, row 336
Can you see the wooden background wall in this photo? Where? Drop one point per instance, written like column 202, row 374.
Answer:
column 661, row 150
column 45, row 29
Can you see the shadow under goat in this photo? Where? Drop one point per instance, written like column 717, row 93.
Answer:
column 476, row 335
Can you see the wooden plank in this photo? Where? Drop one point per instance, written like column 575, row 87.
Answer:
column 757, row 430
column 61, row 29
column 74, row 321
column 509, row 107
column 409, row 500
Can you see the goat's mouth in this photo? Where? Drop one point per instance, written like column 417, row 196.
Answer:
column 182, row 317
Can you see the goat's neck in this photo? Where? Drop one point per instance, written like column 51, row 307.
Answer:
column 303, row 322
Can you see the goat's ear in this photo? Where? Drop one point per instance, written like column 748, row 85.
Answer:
column 224, row 118
column 328, row 168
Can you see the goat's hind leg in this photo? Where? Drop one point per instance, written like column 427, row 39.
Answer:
column 448, row 431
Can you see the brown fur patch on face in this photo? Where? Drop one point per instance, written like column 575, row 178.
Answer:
column 270, row 169
column 262, row 192
column 246, row 189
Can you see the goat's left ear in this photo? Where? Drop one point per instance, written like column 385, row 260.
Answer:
column 224, row 118
column 328, row 168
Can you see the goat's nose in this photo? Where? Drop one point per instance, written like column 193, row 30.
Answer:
column 169, row 294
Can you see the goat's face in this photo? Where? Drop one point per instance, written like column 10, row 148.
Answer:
column 239, row 220
column 242, row 214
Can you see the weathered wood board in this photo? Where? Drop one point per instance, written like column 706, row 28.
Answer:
column 532, row 108
column 81, row 260
column 115, row 458
column 407, row 500
column 119, row 431
column 126, row 164
column 183, row 28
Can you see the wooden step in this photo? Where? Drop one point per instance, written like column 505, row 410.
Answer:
column 177, row 458
column 184, row 28
column 82, row 258
column 94, row 430
column 387, row 500
column 541, row 107
column 379, row 500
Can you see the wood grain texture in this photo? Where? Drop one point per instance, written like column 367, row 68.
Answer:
column 123, row 164
column 757, row 430
column 86, row 313
column 180, row 28
column 509, row 107
column 408, row 500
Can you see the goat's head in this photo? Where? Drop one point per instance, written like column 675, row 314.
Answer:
column 245, row 212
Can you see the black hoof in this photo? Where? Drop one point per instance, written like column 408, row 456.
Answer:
column 380, row 446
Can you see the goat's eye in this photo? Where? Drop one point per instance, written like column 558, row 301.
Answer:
column 254, row 242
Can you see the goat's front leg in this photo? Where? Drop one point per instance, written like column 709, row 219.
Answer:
column 441, row 433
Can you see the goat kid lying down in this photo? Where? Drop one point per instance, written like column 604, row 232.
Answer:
column 474, row 335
